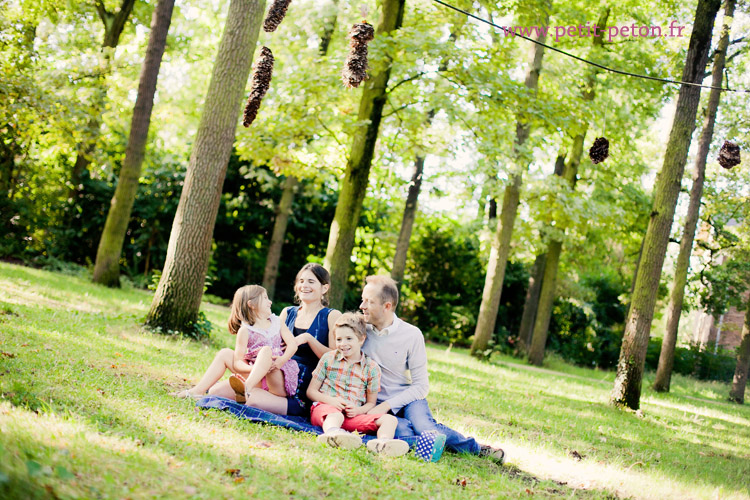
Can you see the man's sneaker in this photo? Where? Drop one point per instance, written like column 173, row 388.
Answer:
column 339, row 438
column 388, row 447
column 430, row 446
column 495, row 454
column 237, row 382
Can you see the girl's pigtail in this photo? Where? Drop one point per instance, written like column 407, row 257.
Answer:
column 275, row 15
column 355, row 68
column 261, row 81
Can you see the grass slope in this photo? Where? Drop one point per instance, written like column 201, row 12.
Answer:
column 84, row 413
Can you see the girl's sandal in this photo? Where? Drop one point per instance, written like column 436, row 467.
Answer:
column 237, row 382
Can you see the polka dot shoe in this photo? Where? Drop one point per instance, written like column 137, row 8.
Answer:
column 430, row 446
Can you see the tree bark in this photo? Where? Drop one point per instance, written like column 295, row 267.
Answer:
column 354, row 184
column 177, row 299
column 493, row 283
column 554, row 249
column 531, row 303
column 107, row 266
column 329, row 26
column 739, row 382
column 283, row 211
column 114, row 23
column 627, row 386
column 674, row 310
column 407, row 221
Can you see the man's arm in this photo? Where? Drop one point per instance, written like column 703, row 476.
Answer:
column 416, row 362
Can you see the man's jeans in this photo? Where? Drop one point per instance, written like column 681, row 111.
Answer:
column 416, row 417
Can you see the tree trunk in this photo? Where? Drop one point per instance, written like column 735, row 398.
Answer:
column 493, row 283
column 531, row 303
column 114, row 23
column 177, row 299
column 570, row 174
column 329, row 26
column 627, row 386
column 354, row 184
column 737, row 394
column 107, row 267
column 407, row 222
column 283, row 211
column 546, row 300
column 674, row 310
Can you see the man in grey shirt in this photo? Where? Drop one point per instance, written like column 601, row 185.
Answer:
column 399, row 349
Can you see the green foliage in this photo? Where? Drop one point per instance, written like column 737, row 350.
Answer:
column 449, row 287
column 693, row 361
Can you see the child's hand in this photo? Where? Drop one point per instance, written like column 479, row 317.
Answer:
column 303, row 338
column 353, row 411
column 277, row 363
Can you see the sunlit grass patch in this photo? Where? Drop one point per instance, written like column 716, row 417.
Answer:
column 84, row 413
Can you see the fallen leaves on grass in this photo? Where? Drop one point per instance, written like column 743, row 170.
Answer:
column 236, row 475
column 461, row 481
column 8, row 354
column 576, row 455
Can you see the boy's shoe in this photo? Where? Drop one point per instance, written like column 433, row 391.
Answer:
column 339, row 438
column 430, row 446
column 237, row 382
column 495, row 454
column 388, row 447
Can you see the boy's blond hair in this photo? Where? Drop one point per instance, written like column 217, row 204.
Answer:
column 353, row 321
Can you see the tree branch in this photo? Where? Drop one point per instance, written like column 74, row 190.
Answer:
column 418, row 75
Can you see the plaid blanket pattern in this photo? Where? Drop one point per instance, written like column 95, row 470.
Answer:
column 300, row 424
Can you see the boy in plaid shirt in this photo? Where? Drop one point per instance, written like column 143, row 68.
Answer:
column 344, row 387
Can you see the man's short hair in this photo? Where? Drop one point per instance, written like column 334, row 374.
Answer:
column 388, row 288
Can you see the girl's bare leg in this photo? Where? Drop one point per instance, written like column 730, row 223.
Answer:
column 222, row 362
column 258, row 398
column 275, row 381
column 222, row 389
column 260, row 369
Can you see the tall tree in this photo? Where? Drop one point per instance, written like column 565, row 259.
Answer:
column 283, row 211
column 739, row 382
column 531, row 303
column 500, row 250
column 674, row 310
column 107, row 266
column 177, row 299
column 354, row 183
column 627, row 386
column 114, row 23
column 554, row 247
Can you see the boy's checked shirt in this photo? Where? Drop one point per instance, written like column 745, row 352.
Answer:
column 350, row 381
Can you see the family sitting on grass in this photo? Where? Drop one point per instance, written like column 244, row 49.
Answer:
column 372, row 379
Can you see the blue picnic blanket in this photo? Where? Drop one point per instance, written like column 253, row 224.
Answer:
column 301, row 424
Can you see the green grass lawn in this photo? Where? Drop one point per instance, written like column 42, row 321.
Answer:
column 85, row 413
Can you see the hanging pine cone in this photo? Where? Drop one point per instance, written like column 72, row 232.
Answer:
column 600, row 150
column 355, row 68
column 275, row 15
column 729, row 155
column 261, row 81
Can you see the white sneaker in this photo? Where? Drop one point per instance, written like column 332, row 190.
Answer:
column 341, row 439
column 388, row 447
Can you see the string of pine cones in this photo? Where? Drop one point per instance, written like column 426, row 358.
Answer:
column 600, row 150
column 729, row 155
column 355, row 68
column 260, row 83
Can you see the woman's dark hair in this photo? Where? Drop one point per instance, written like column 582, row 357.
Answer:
column 321, row 274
